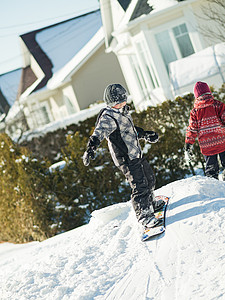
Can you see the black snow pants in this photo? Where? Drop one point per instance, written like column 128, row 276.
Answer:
column 212, row 165
column 141, row 178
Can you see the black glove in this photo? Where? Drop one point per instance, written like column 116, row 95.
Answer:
column 151, row 136
column 89, row 154
column 188, row 148
column 140, row 132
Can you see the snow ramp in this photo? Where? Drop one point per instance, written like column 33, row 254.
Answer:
column 106, row 259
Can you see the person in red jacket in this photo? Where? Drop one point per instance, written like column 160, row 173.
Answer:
column 207, row 123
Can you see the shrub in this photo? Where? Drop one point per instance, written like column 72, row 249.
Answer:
column 25, row 201
column 80, row 190
column 169, row 120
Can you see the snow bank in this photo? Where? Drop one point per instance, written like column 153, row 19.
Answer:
column 188, row 70
column 105, row 259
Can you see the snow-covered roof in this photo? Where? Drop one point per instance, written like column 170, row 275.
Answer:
column 64, row 40
column 9, row 83
column 54, row 46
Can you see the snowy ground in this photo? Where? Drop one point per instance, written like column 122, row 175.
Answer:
column 106, row 259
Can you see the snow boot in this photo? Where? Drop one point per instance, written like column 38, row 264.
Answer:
column 158, row 205
column 151, row 221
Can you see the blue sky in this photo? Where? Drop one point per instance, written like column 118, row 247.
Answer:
column 18, row 17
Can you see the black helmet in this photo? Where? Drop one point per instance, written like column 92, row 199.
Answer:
column 114, row 94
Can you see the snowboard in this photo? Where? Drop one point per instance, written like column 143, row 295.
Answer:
column 160, row 215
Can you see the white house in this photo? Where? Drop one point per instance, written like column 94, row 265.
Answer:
column 65, row 70
column 161, row 48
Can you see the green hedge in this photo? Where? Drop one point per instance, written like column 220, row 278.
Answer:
column 26, row 206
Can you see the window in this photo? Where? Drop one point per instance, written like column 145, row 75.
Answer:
column 183, row 40
column 147, row 66
column 39, row 115
column 166, row 47
column 174, row 44
column 143, row 70
column 69, row 105
column 139, row 75
column 44, row 118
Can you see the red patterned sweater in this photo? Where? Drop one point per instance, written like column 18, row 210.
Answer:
column 207, row 122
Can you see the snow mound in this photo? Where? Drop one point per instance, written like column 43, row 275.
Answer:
column 205, row 187
column 105, row 215
column 106, row 259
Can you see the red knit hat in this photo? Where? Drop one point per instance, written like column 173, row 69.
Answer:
column 201, row 88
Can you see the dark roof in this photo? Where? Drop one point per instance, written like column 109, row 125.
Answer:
column 40, row 56
column 124, row 3
column 4, row 105
column 55, row 45
column 142, row 8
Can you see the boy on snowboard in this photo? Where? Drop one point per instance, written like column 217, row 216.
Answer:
column 115, row 124
column 207, row 122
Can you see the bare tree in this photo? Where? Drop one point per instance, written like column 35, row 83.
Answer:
column 213, row 10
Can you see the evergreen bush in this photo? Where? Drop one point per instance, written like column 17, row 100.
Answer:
column 26, row 206
column 169, row 120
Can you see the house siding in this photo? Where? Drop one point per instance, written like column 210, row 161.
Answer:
column 90, row 80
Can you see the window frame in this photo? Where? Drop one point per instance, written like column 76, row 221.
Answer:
column 148, row 69
column 36, row 110
column 169, row 27
column 136, row 68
